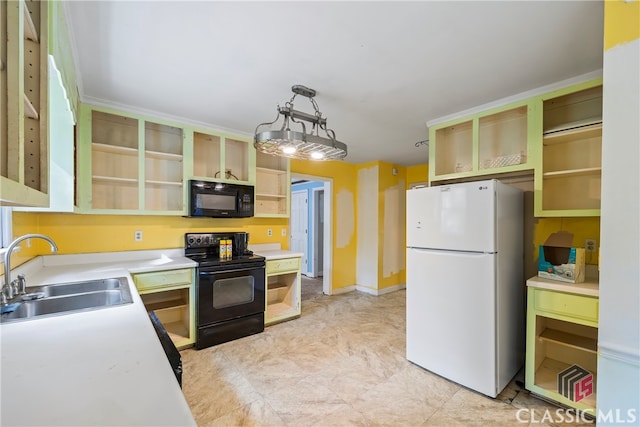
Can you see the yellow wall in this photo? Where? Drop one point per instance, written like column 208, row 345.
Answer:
column 344, row 176
column 76, row 233
column 417, row 173
column 582, row 229
column 623, row 22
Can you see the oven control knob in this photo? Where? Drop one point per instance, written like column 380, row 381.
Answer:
column 190, row 241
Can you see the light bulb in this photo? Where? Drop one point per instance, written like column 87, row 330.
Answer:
column 289, row 149
column 317, row 155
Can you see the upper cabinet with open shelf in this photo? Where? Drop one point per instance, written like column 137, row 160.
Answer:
column 568, row 174
column 272, row 186
column 220, row 157
column 24, row 174
column 129, row 164
column 494, row 141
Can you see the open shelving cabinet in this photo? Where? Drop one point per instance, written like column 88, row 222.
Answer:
column 568, row 178
column 562, row 333
column 283, row 290
column 272, row 186
column 136, row 165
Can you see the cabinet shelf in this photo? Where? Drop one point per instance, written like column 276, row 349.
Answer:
column 164, row 183
column 114, row 180
column 576, row 126
column 163, row 156
column 279, row 310
column 570, row 340
column 29, row 110
column 573, row 134
column 573, row 172
column 115, row 149
column 547, row 379
column 272, row 196
column 178, row 303
column 30, row 31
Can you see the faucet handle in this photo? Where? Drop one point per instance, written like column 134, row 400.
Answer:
column 8, row 291
column 21, row 284
column 3, row 298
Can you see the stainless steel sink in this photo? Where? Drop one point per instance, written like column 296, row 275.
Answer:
column 82, row 287
column 65, row 298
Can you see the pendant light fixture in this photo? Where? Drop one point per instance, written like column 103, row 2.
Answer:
column 299, row 144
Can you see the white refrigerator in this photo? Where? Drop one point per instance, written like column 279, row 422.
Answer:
column 465, row 289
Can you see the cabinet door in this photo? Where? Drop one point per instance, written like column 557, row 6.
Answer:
column 24, row 174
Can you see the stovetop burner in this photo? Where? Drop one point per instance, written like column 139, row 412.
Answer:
column 204, row 248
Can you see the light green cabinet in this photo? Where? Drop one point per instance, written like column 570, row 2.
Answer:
column 221, row 157
column 492, row 142
column 562, row 332
column 273, row 186
column 171, row 295
column 24, row 147
column 129, row 164
column 569, row 167
column 283, row 290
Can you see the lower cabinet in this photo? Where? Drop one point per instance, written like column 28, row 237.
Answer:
column 171, row 295
column 562, row 346
column 283, row 290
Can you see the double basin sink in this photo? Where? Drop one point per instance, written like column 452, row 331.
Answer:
column 63, row 298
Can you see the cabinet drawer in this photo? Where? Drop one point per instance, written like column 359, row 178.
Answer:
column 577, row 306
column 163, row 279
column 280, row 265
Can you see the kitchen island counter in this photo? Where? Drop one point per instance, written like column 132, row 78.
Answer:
column 100, row 367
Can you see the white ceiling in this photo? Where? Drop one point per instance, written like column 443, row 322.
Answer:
column 381, row 69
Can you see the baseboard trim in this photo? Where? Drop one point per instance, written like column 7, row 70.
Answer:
column 383, row 291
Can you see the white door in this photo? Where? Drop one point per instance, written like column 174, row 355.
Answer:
column 452, row 217
column 451, row 316
column 299, row 225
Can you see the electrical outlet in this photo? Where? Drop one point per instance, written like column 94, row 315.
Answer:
column 284, row 232
column 269, row 232
column 590, row 245
column 137, row 236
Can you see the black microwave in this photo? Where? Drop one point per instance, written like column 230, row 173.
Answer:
column 220, row 199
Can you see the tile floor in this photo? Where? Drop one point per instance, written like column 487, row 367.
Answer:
column 342, row 363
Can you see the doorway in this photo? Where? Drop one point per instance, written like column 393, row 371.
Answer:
column 316, row 214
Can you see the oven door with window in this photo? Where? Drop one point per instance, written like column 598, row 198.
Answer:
column 226, row 294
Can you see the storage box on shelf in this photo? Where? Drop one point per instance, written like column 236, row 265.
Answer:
column 24, row 153
column 221, row 158
column 171, row 295
column 495, row 141
column 568, row 178
column 136, row 165
column 283, row 289
column 272, row 186
column 562, row 331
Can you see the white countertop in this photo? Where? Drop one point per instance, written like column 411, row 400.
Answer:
column 590, row 286
column 273, row 251
column 102, row 367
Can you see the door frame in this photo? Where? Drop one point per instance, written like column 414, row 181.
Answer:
column 304, row 267
column 327, row 253
column 317, row 268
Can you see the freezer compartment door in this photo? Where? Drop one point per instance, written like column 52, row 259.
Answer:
column 452, row 217
column 451, row 316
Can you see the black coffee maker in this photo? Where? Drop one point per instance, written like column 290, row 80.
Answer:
column 241, row 244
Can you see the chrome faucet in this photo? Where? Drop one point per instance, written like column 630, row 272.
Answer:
column 8, row 289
